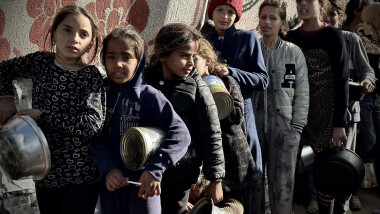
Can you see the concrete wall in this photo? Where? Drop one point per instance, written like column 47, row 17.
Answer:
column 24, row 24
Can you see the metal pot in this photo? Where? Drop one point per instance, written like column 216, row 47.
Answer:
column 338, row 171
column 204, row 206
column 306, row 160
column 139, row 144
column 24, row 152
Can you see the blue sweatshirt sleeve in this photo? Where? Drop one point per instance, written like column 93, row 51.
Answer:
column 102, row 155
column 177, row 138
column 249, row 71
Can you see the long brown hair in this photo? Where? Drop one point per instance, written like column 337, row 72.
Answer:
column 72, row 10
column 171, row 37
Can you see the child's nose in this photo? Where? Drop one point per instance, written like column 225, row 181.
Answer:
column 75, row 38
column 191, row 61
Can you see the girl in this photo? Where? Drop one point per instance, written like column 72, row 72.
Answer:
column 281, row 110
column 132, row 103
column 171, row 70
column 353, row 14
column 241, row 173
column 369, row 32
column 326, row 58
column 361, row 72
column 242, row 52
column 68, row 105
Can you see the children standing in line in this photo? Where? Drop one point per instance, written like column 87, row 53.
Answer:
column 326, row 57
column 68, row 105
column 132, row 103
column 171, row 70
column 242, row 52
column 241, row 172
column 281, row 110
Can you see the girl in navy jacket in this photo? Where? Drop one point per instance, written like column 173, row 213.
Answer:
column 132, row 103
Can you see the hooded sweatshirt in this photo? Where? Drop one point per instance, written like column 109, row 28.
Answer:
column 139, row 105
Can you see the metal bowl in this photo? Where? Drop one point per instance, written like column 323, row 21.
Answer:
column 24, row 152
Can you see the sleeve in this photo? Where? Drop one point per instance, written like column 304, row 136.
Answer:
column 210, row 134
column 256, row 76
column 360, row 60
column 301, row 92
column 237, row 114
column 14, row 68
column 177, row 138
column 88, row 119
column 339, row 60
column 102, row 155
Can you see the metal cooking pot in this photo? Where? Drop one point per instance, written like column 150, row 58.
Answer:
column 204, row 206
column 338, row 171
column 24, row 152
column 139, row 144
column 306, row 160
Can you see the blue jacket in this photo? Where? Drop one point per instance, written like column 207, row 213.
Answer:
column 139, row 105
column 242, row 52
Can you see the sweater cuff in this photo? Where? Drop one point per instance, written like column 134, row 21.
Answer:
column 297, row 127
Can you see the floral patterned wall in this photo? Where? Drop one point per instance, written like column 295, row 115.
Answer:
column 24, row 23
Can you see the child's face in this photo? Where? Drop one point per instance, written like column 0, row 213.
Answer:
column 223, row 17
column 332, row 17
column 202, row 65
column 120, row 61
column 73, row 37
column 270, row 21
column 180, row 62
column 308, row 9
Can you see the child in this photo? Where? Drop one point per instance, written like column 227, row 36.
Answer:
column 68, row 105
column 130, row 103
column 171, row 70
column 281, row 110
column 242, row 52
column 361, row 72
column 326, row 58
column 369, row 135
column 241, row 172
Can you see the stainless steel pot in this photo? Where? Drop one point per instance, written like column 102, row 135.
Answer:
column 24, row 152
column 306, row 160
column 139, row 144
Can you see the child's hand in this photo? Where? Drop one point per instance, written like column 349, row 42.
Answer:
column 7, row 109
column 150, row 186
column 221, row 71
column 115, row 180
column 339, row 136
column 189, row 206
column 368, row 87
column 215, row 191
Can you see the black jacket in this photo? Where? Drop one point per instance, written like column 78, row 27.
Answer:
column 193, row 102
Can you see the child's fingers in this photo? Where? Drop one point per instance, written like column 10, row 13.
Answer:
column 141, row 191
column 158, row 190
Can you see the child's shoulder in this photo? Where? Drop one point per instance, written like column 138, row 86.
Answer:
column 91, row 71
column 246, row 33
column 40, row 55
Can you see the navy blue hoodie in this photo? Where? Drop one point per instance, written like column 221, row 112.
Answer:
column 139, row 105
